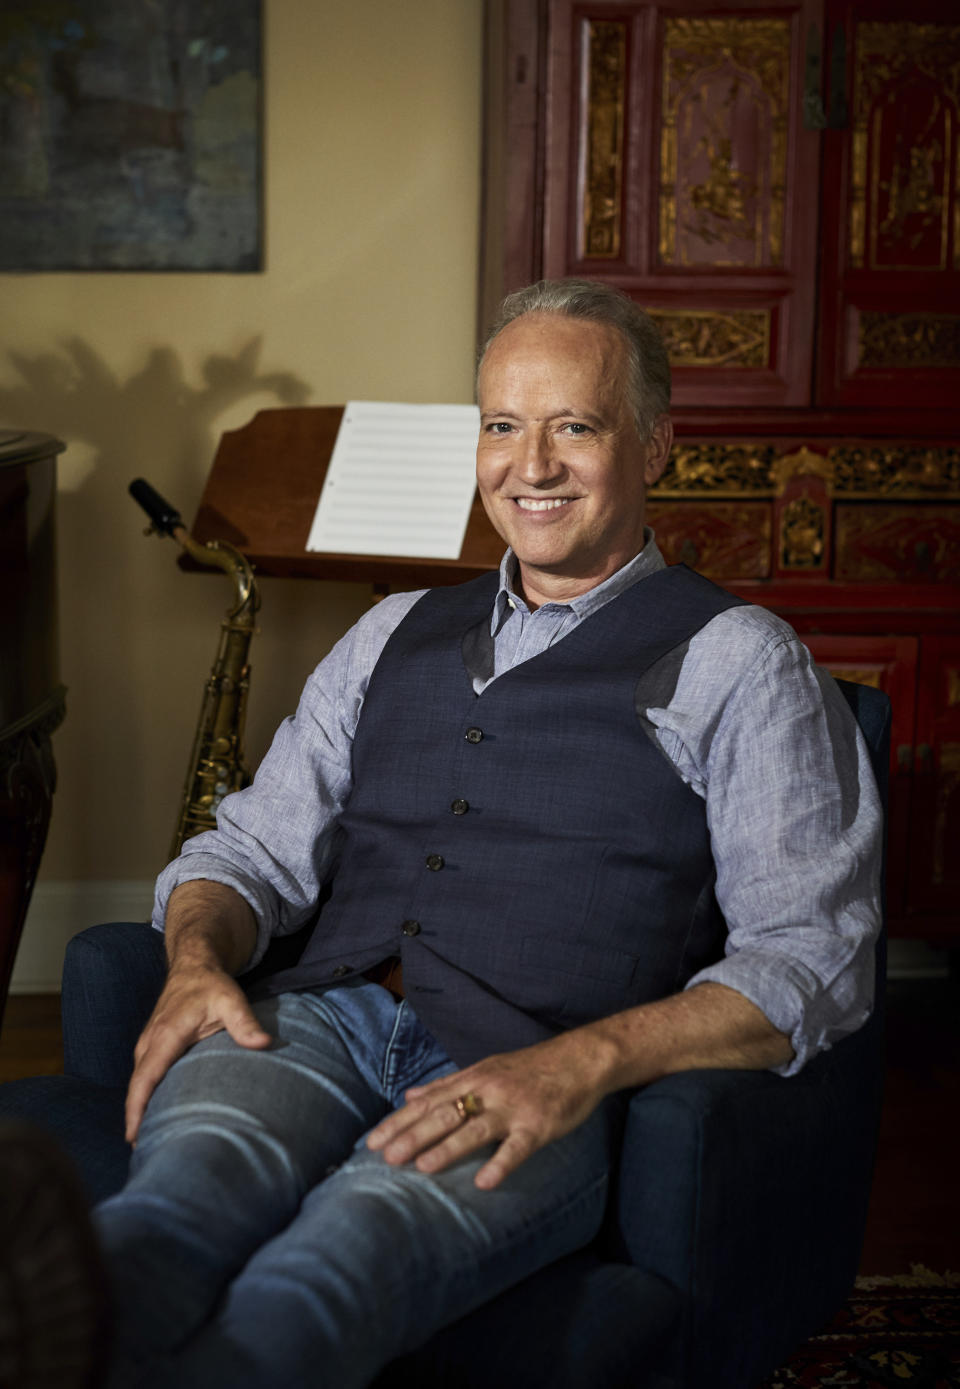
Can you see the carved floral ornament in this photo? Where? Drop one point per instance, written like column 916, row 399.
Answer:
column 865, row 471
column 706, row 338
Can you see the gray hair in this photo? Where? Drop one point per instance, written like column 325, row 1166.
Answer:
column 648, row 366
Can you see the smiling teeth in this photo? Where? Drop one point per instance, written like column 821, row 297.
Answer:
column 528, row 503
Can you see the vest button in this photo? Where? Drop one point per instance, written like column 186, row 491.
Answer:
column 459, row 806
column 474, row 735
column 411, row 928
column 435, row 862
column 340, row 971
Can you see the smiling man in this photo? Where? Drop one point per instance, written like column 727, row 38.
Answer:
column 563, row 464
column 558, row 832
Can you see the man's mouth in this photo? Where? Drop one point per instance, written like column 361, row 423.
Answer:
column 541, row 503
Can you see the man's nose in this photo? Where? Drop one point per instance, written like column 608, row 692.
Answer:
column 539, row 462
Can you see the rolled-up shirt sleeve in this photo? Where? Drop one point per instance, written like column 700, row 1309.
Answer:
column 795, row 823
column 276, row 842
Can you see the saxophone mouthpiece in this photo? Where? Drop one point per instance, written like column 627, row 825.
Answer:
column 163, row 517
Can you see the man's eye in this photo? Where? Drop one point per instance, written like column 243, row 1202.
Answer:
column 577, row 429
column 499, row 427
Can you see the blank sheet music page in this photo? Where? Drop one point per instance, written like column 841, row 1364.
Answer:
column 400, row 481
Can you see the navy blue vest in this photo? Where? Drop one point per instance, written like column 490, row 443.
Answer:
column 529, row 852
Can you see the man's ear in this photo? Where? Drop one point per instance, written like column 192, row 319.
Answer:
column 658, row 450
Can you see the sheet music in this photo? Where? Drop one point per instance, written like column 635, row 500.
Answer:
column 400, row 481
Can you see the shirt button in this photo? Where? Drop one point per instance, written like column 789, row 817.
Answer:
column 435, row 862
column 411, row 928
column 340, row 971
column 459, row 806
column 474, row 735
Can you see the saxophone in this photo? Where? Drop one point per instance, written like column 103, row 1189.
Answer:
column 217, row 764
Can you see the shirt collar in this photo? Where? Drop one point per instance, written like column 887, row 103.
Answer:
column 647, row 562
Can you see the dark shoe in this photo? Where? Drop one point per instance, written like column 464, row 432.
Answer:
column 52, row 1289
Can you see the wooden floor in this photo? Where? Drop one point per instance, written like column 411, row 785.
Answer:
column 30, row 1040
column 915, row 1205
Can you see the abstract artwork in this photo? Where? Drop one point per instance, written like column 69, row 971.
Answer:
column 130, row 135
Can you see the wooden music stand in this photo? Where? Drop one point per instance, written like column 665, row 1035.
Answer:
column 262, row 493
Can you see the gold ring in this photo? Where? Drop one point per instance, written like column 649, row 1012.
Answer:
column 468, row 1106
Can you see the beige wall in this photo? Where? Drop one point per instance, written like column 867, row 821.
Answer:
column 372, row 136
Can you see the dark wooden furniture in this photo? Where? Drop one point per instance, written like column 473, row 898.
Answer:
column 775, row 181
column 31, row 696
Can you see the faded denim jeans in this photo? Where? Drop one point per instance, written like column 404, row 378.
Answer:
column 259, row 1243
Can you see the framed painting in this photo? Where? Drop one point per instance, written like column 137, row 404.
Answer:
column 130, row 135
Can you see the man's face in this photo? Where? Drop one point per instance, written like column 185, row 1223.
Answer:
column 562, row 471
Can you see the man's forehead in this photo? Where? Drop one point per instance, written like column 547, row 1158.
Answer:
column 547, row 329
column 537, row 340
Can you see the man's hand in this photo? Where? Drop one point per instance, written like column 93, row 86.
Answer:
column 210, row 932
column 528, row 1098
column 196, row 1002
column 532, row 1096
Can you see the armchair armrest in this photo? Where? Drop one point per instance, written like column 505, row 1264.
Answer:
column 748, row 1192
column 112, row 977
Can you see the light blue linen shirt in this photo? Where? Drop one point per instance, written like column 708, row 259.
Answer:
column 748, row 721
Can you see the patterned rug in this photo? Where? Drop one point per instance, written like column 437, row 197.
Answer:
column 902, row 1332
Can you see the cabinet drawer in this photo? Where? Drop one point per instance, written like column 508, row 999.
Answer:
column 904, row 542
column 724, row 540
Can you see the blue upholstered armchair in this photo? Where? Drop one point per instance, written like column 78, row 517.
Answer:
column 737, row 1219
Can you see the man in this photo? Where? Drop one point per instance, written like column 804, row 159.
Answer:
column 573, row 827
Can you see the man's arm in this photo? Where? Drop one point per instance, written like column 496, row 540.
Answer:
column 795, row 824
column 210, row 933
column 260, row 873
column 532, row 1096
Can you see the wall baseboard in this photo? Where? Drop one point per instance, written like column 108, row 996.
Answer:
column 57, row 912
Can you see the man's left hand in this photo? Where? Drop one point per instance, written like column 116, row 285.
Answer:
column 527, row 1098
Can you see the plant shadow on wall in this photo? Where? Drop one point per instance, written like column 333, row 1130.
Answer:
column 136, row 635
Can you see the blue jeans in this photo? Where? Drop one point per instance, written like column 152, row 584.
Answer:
column 258, row 1242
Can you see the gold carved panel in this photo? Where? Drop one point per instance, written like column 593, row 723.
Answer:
column 909, row 340
column 802, row 535
column 719, row 470
column 862, row 471
column 885, row 470
column 723, row 142
column 703, row 338
column 606, row 58
column 905, row 161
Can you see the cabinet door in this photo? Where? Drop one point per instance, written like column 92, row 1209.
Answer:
column 935, row 817
column 678, row 167
column 890, row 293
column 888, row 664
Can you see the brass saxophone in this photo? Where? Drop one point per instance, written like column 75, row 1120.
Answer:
column 217, row 764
